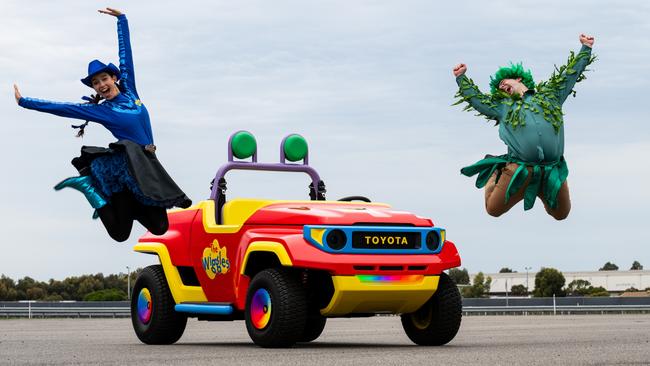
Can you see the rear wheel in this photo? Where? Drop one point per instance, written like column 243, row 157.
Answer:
column 276, row 308
column 314, row 326
column 152, row 309
column 438, row 320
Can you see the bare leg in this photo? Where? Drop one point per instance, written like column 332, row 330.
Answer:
column 563, row 208
column 495, row 192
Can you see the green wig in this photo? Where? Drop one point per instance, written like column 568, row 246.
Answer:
column 514, row 71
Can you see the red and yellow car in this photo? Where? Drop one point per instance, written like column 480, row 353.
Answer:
column 287, row 266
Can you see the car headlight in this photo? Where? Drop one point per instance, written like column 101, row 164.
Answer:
column 336, row 239
column 433, row 240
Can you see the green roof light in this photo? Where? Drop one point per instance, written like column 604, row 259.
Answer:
column 243, row 145
column 295, row 148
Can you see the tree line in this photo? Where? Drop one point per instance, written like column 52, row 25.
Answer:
column 95, row 287
column 609, row 266
column 548, row 282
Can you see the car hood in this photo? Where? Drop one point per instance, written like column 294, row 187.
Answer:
column 333, row 213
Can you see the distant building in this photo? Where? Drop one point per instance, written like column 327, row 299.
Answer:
column 615, row 282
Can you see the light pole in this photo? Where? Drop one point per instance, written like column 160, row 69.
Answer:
column 506, row 292
column 128, row 283
column 527, row 269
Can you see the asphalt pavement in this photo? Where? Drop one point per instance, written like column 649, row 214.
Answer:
column 482, row 340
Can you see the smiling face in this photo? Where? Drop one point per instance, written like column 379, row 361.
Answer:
column 105, row 85
column 512, row 86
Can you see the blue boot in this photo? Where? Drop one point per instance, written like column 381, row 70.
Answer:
column 84, row 184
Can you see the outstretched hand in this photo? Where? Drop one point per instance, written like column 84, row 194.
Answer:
column 459, row 70
column 17, row 93
column 587, row 40
column 111, row 11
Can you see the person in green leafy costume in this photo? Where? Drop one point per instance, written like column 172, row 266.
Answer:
column 531, row 125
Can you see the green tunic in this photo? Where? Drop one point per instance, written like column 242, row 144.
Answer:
column 531, row 126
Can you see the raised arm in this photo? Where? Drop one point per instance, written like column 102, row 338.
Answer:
column 125, row 53
column 470, row 93
column 565, row 78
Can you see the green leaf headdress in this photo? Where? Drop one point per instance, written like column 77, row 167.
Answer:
column 513, row 71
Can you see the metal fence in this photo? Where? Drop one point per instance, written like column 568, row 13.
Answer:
column 492, row 306
column 73, row 309
column 558, row 301
column 555, row 310
column 558, row 305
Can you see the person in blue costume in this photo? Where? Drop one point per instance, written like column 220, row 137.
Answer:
column 531, row 124
column 124, row 182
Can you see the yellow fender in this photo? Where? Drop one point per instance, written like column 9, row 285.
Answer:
column 180, row 292
column 267, row 246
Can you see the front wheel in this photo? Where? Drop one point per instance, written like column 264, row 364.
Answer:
column 152, row 309
column 438, row 320
column 276, row 308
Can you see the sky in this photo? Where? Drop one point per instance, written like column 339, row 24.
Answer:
column 369, row 85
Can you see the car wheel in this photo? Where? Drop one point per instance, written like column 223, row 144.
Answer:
column 314, row 325
column 152, row 309
column 276, row 308
column 438, row 320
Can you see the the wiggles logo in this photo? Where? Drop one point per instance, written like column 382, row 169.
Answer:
column 215, row 260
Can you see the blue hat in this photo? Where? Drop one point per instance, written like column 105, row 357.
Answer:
column 95, row 67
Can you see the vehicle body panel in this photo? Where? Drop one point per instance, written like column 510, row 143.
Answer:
column 219, row 254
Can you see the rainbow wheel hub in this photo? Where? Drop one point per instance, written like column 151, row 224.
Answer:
column 144, row 306
column 261, row 308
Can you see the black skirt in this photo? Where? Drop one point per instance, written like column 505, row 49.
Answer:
column 125, row 165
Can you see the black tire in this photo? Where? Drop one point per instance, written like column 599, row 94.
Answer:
column 314, row 325
column 286, row 308
column 161, row 324
column 438, row 320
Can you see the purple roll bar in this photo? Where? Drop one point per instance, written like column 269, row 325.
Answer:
column 218, row 192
